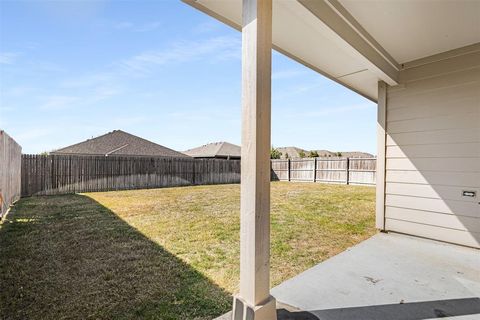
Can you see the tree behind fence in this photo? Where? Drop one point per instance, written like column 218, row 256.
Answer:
column 61, row 174
column 10, row 159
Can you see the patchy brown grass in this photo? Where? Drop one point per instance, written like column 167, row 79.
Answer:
column 162, row 253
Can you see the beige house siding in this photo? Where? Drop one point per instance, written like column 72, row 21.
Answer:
column 433, row 151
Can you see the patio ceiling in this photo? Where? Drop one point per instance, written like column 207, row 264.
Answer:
column 359, row 42
column 427, row 27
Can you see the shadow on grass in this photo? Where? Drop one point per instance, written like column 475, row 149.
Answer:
column 68, row 257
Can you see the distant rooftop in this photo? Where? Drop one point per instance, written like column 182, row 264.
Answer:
column 119, row 143
column 215, row 150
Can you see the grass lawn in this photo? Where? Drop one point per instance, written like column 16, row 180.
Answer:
column 162, row 253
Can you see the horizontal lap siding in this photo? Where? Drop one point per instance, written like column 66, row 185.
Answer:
column 459, row 179
column 433, row 153
column 433, row 232
column 440, row 164
column 452, row 150
column 462, row 135
column 427, row 191
column 463, row 208
column 450, row 221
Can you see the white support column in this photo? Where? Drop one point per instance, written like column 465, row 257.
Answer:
column 254, row 301
column 381, row 154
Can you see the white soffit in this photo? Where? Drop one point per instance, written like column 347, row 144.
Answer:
column 301, row 35
column 412, row 29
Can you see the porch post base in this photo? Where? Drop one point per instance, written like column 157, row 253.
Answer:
column 243, row 311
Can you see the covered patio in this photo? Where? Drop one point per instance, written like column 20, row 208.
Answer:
column 419, row 279
column 420, row 62
column 389, row 276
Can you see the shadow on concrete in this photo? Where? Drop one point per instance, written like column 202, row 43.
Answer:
column 403, row 311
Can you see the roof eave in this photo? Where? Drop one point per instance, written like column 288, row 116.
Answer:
column 354, row 39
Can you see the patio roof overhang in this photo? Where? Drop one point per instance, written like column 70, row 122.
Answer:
column 359, row 43
column 365, row 46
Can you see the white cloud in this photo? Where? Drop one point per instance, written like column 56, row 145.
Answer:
column 8, row 57
column 148, row 26
column 206, row 27
column 123, row 25
column 144, row 27
column 30, row 45
column 322, row 112
column 46, row 67
column 296, row 90
column 185, row 117
column 183, row 51
column 287, row 74
column 17, row 91
column 33, row 134
column 92, row 79
column 340, row 110
column 58, row 102
column 125, row 122
column 5, row 108
column 142, row 64
column 61, row 102
column 73, row 11
column 102, row 93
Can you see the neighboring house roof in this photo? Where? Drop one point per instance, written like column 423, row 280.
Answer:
column 119, row 143
column 215, row 150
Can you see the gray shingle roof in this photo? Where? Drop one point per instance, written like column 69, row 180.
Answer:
column 215, row 149
column 119, row 143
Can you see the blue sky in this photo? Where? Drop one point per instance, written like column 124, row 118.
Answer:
column 158, row 69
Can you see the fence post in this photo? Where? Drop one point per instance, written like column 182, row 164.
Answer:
column 348, row 171
column 314, row 169
column 193, row 175
column 52, row 173
column 288, row 169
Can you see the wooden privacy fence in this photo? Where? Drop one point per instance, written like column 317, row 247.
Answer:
column 327, row 170
column 61, row 174
column 10, row 160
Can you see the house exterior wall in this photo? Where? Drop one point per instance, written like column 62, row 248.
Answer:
column 433, row 151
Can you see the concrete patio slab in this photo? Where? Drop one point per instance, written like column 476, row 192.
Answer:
column 389, row 276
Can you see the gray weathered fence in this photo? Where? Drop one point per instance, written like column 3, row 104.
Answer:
column 326, row 170
column 10, row 160
column 61, row 174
